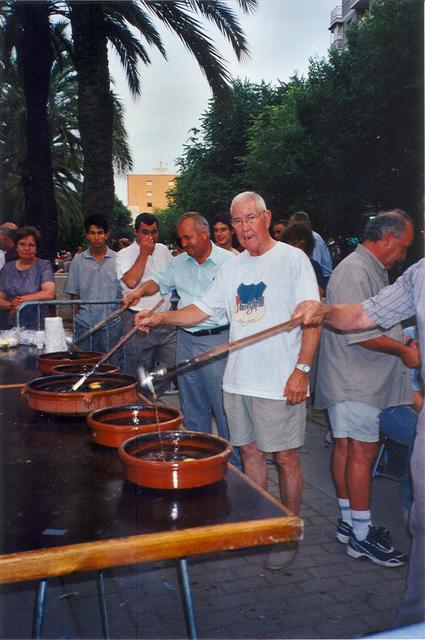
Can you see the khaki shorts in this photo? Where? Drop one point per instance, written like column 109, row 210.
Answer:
column 272, row 424
column 356, row 420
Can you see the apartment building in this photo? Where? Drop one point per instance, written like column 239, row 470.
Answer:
column 148, row 191
column 341, row 18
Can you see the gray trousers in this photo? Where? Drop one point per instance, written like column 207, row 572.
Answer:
column 156, row 348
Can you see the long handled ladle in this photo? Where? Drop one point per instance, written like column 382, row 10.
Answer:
column 73, row 346
column 147, row 380
column 106, row 357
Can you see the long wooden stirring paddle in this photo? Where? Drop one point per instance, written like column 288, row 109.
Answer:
column 106, row 357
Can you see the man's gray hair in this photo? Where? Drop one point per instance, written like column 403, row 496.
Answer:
column 393, row 220
column 200, row 222
column 260, row 205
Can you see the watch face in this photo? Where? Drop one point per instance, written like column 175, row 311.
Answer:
column 305, row 368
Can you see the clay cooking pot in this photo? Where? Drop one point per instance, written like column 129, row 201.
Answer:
column 46, row 361
column 111, row 427
column 41, row 393
column 189, row 459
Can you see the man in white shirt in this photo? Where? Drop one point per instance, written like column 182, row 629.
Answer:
column 265, row 385
column 140, row 262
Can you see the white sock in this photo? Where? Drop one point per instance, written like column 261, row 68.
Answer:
column 344, row 507
column 361, row 521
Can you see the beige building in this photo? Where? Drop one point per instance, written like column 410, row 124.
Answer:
column 147, row 192
column 342, row 16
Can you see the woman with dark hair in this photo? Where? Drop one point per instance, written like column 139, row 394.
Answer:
column 301, row 236
column 27, row 278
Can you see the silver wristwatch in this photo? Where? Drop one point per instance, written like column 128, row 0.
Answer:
column 304, row 368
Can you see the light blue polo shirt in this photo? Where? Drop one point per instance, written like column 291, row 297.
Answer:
column 191, row 280
column 92, row 280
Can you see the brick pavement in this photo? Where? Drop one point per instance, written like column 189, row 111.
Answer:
column 323, row 594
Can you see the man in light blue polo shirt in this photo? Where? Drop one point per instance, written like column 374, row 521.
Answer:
column 191, row 274
column 93, row 276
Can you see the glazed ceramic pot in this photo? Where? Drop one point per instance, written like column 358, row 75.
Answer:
column 46, row 361
column 175, row 459
column 111, row 427
column 53, row 394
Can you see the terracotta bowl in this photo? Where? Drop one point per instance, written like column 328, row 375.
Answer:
column 111, row 427
column 46, row 361
column 48, row 395
column 80, row 368
column 192, row 459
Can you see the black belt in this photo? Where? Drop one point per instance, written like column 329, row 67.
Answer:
column 208, row 332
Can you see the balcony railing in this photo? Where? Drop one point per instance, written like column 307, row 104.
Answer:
column 336, row 15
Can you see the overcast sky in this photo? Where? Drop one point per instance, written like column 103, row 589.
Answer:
column 282, row 36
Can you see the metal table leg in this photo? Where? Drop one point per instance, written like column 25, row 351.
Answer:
column 39, row 609
column 187, row 599
column 102, row 605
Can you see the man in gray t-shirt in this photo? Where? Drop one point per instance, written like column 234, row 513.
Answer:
column 358, row 375
column 397, row 302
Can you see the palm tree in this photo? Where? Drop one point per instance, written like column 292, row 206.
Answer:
column 94, row 24
column 62, row 110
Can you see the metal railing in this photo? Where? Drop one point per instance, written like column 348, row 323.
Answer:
column 57, row 303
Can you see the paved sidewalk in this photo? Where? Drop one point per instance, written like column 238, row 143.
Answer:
column 323, row 594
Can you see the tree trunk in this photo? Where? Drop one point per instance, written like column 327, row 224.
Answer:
column 95, row 111
column 35, row 58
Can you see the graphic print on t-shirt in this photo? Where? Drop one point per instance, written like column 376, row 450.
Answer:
column 250, row 303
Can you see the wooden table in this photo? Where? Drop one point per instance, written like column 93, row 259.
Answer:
column 67, row 508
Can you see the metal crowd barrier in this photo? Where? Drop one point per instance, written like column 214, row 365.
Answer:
column 57, row 303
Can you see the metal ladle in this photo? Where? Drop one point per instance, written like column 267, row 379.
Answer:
column 147, row 379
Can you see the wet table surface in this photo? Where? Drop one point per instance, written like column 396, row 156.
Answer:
column 66, row 506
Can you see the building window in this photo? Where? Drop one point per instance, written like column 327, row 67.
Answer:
column 171, row 183
column 149, row 204
column 148, row 183
column 149, row 194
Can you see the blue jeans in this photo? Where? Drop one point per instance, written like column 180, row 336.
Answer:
column 201, row 394
column 399, row 424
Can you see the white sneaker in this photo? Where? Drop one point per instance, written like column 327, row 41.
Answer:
column 281, row 555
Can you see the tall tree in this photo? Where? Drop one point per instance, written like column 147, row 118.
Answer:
column 35, row 59
column 94, row 24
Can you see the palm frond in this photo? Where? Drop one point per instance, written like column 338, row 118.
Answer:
column 189, row 31
column 226, row 21
column 132, row 13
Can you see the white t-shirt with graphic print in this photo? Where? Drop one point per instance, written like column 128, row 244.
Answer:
column 258, row 292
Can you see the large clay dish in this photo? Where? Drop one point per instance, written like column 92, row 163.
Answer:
column 46, row 361
column 175, row 474
column 79, row 403
column 79, row 368
column 112, row 434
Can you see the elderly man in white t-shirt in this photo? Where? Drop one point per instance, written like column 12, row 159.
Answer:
column 139, row 262
column 265, row 385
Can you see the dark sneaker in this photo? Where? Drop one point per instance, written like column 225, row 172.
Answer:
column 344, row 531
column 378, row 547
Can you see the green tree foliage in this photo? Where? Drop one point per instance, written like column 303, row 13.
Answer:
column 211, row 168
column 345, row 141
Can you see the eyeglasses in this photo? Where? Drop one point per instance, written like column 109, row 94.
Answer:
column 250, row 220
column 26, row 244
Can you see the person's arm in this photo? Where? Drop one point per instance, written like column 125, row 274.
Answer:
column 409, row 354
column 182, row 318
column 46, row 292
column 345, row 317
column 296, row 386
column 148, row 288
column 132, row 276
column 5, row 304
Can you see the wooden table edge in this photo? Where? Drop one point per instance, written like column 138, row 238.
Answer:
column 113, row 552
